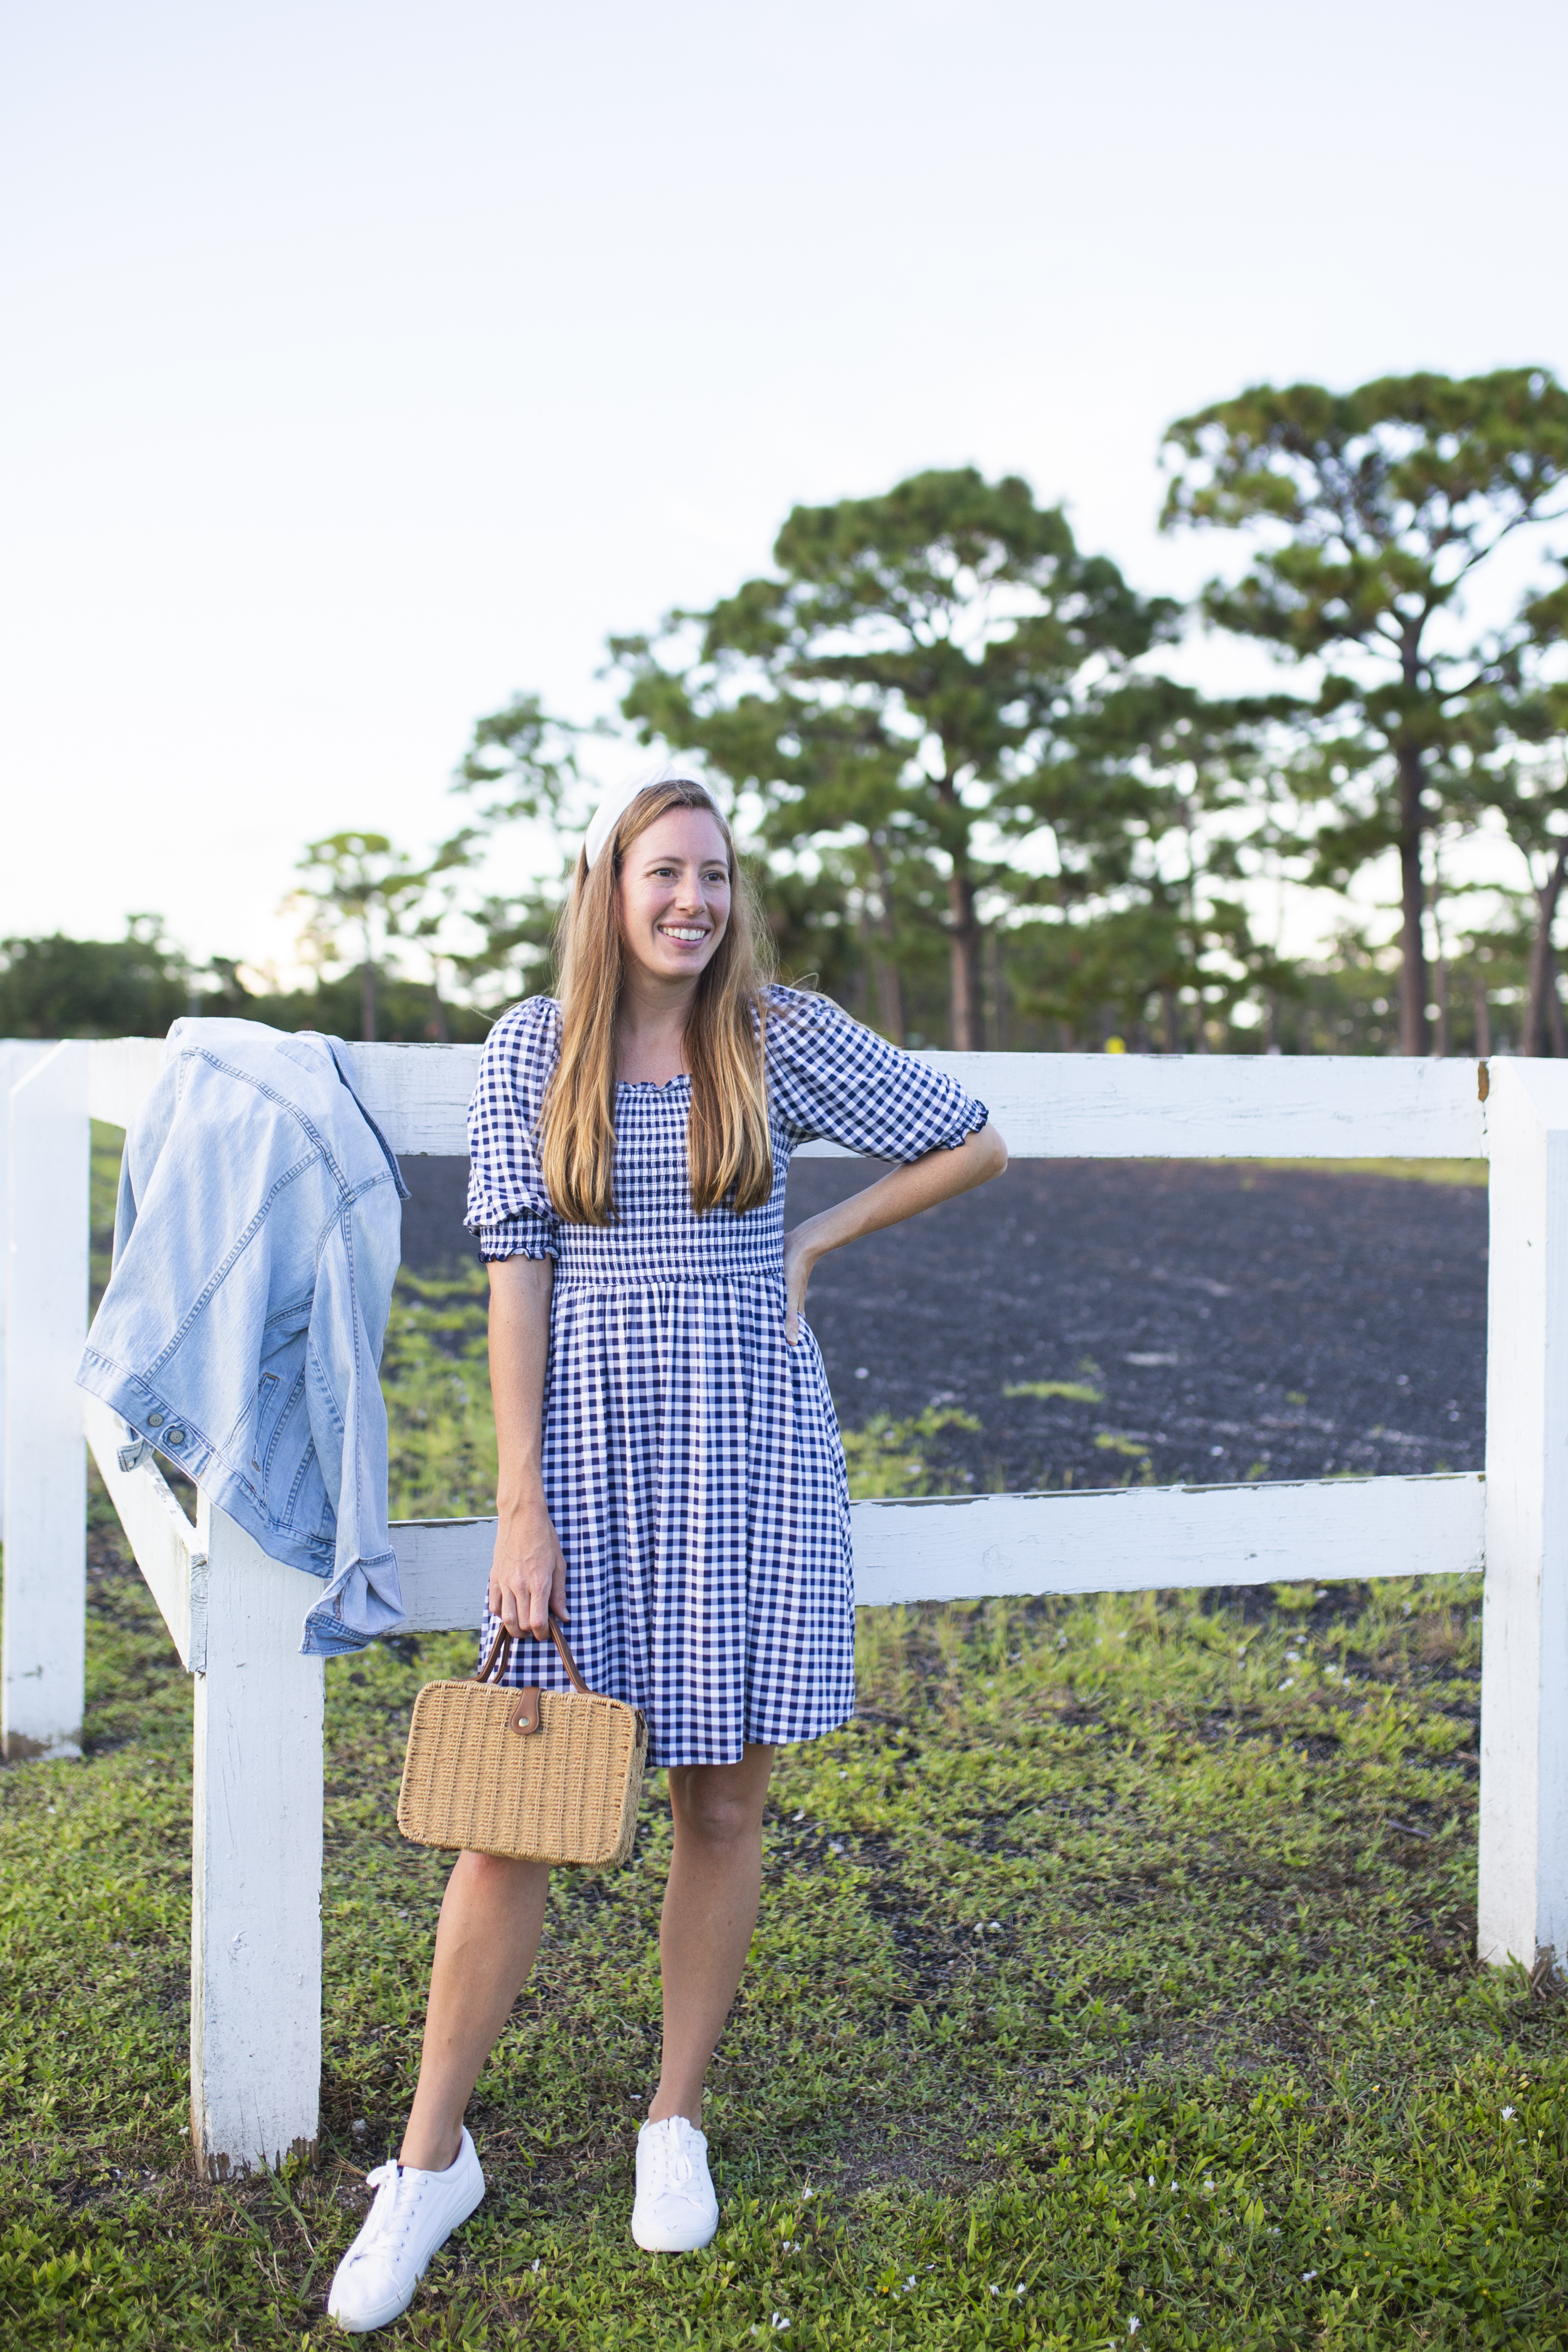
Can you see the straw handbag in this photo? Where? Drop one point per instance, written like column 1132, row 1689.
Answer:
column 537, row 1775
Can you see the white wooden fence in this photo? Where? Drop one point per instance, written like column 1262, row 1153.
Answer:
column 233, row 1615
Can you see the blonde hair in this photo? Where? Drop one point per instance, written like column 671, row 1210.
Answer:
column 728, row 1151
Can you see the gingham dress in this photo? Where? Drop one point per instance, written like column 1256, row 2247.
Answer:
column 691, row 1460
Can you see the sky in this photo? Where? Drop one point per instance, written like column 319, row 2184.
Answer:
column 370, row 363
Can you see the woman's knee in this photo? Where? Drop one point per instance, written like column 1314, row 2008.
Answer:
column 496, row 1877
column 712, row 1803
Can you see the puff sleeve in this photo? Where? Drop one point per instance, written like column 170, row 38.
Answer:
column 509, row 1207
column 830, row 1077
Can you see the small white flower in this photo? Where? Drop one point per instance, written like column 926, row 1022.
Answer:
column 1288, row 1683
column 1508, row 2115
column 1307, row 2276
column 538, row 2261
column 807, row 2192
column 1150, row 2180
column 909, row 2282
column 1019, row 2288
column 1208, row 2187
column 995, row 2290
column 1134, row 2324
column 781, row 2322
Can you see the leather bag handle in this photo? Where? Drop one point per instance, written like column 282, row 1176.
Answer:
column 501, row 1650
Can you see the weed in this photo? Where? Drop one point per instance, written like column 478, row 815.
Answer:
column 887, row 1457
column 1073, row 1391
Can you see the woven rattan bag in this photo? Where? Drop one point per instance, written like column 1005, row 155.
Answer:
column 537, row 1775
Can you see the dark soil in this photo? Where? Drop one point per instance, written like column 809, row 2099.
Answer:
column 1236, row 1321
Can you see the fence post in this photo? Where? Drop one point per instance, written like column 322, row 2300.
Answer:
column 18, row 1055
column 256, row 1871
column 1524, row 1857
column 42, row 1658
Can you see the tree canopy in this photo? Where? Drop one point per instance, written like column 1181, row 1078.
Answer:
column 898, row 686
column 1375, row 510
column 986, row 806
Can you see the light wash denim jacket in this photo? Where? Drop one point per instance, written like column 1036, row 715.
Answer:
column 255, row 1244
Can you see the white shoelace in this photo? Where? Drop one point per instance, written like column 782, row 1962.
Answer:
column 672, row 2165
column 389, row 2214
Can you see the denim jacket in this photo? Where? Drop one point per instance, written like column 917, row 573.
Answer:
column 255, row 1244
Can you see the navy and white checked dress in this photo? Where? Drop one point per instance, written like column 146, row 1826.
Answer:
column 691, row 1460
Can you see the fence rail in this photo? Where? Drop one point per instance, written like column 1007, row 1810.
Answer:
column 233, row 1615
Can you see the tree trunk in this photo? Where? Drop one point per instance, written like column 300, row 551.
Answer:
column 1441, row 965
column 996, row 985
column 889, row 980
column 1171, row 1034
column 1442, row 1003
column 1411, row 900
column 865, row 970
column 1483, row 1022
column 440, row 1029
column 367, row 1001
column 963, row 961
column 1538, row 1024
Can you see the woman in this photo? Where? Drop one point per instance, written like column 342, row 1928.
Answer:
column 670, row 1476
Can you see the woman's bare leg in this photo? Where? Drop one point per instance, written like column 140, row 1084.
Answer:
column 492, row 1916
column 710, row 1912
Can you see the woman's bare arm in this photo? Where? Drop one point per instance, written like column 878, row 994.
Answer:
column 528, row 1574
column 904, row 1193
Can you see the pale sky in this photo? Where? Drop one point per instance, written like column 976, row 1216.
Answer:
column 366, row 363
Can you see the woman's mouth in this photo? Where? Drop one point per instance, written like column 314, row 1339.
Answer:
column 689, row 935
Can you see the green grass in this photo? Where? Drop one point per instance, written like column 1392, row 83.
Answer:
column 1074, row 1391
column 1121, row 1952
column 1410, row 1171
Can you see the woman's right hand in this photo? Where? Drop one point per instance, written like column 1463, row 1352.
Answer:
column 527, row 1573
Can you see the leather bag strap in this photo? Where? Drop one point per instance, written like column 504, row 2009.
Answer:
column 500, row 1651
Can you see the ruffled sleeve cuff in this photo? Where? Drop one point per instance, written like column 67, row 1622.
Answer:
column 527, row 1234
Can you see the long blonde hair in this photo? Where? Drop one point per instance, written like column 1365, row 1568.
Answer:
column 728, row 1148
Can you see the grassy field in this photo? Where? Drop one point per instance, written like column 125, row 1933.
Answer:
column 1114, row 1984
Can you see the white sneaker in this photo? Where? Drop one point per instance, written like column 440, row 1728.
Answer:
column 676, row 2210
column 414, row 2213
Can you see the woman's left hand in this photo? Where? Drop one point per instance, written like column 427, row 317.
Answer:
column 799, row 1257
column 904, row 1193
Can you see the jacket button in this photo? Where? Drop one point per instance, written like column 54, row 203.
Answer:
column 155, row 1420
column 175, row 1436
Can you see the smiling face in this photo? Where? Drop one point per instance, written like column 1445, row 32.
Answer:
column 674, row 895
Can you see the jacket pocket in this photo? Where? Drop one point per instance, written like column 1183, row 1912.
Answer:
column 266, row 1399
column 277, row 1401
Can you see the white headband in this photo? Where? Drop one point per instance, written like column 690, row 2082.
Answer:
column 619, row 798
